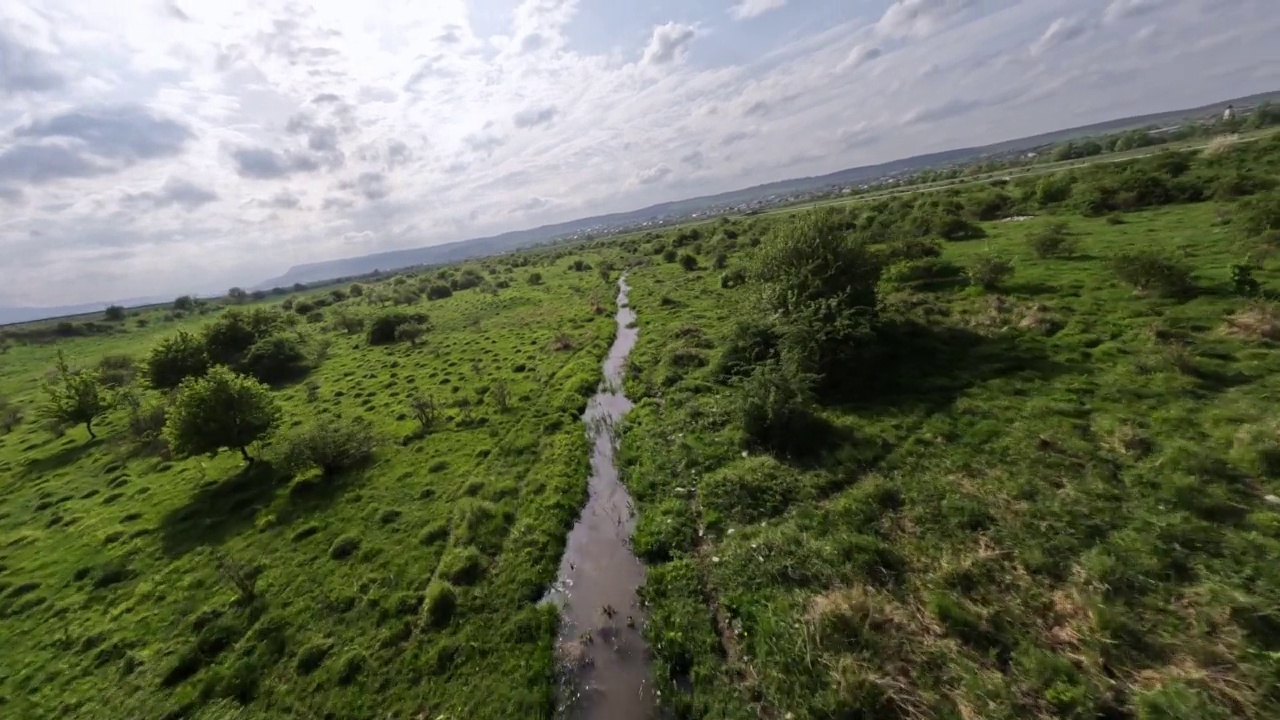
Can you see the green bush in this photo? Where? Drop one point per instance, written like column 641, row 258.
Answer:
column 175, row 359
column 276, row 359
column 1153, row 272
column 688, row 262
column 344, row 547
column 750, row 490
column 1256, row 450
column 910, row 249
column 114, row 313
column 750, row 343
column 462, row 565
column 220, row 410
column 775, row 409
column 439, row 291
column 990, row 271
column 117, row 371
column 331, row 446
column 383, row 327
column 312, row 656
column 1052, row 241
column 228, row 338
column 926, row 273
column 74, row 397
column 440, row 603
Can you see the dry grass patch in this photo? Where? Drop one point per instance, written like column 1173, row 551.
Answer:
column 1259, row 321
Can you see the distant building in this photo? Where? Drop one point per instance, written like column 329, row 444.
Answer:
column 1229, row 114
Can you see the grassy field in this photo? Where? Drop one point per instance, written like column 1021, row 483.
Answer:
column 1057, row 500
column 1030, row 471
column 113, row 600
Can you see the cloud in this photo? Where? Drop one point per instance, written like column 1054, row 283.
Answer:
column 1125, row 9
column 175, row 191
column 747, row 9
column 38, row 164
column 484, row 143
column 948, row 110
column 533, row 117
column 918, row 18
column 1060, row 32
column 23, row 69
column 669, row 43
column 372, row 185
column 262, row 163
column 284, row 200
column 326, row 98
column 11, row 195
column 653, row 175
column 121, row 132
column 694, row 159
column 859, row 56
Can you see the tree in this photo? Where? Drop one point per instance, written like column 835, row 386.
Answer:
column 535, row 278
column 426, row 410
column 688, row 262
column 175, row 359
column 330, row 446
column 223, row 409
column 276, row 359
column 113, row 313
column 228, row 338
column 237, row 295
column 186, row 303
column 356, row 290
column 439, row 291
column 74, row 396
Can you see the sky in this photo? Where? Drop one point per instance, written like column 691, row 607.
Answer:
column 159, row 147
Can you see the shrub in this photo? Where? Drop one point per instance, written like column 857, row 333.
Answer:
column 750, row 343
column 312, row 656
column 462, row 566
column 440, row 603
column 426, row 410
column 411, row 332
column 74, row 397
column 276, row 359
column 114, row 313
column 175, row 359
column 774, row 408
column 732, row 278
column 1052, row 241
column 688, row 262
column 1259, row 215
column 910, row 249
column 750, row 490
column 220, row 410
column 355, row 290
column 1243, row 281
column 331, row 446
column 990, row 271
column 439, row 291
column 117, row 371
column 669, row 255
column 1256, row 450
column 228, row 338
column 535, row 278
column 383, row 328
column 10, row 417
column 720, row 262
column 1155, row 273
column 185, row 303
column 922, row 274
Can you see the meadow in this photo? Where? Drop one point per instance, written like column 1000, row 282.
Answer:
column 406, row 586
column 1005, row 449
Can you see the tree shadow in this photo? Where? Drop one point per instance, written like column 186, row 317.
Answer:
column 62, row 458
column 1031, row 289
column 930, row 365
column 219, row 511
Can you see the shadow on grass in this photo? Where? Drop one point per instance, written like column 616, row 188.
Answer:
column 1034, row 289
column 931, row 365
column 219, row 511
column 66, row 456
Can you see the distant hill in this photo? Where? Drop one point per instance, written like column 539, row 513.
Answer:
column 506, row 242
column 12, row 315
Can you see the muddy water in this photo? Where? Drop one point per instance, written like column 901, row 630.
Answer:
column 605, row 663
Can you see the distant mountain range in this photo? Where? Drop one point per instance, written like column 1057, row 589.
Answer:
column 507, row 242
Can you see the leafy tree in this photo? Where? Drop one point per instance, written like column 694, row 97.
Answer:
column 74, row 397
column 175, row 359
column 356, row 290
column 439, row 291
column 237, row 295
column 1153, row 272
column 688, row 262
column 1259, row 215
column 228, row 338
column 426, row 410
column 223, row 409
column 383, row 328
column 535, row 278
column 669, row 255
column 117, row 371
column 114, row 313
column 186, row 303
column 1052, row 241
column 989, row 271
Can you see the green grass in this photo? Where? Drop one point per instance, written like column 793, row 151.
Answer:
column 1052, row 508
column 406, row 587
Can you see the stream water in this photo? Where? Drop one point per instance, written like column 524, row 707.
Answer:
column 603, row 656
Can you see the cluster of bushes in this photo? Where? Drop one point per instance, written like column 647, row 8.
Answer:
column 260, row 342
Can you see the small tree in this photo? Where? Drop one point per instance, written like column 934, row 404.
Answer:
column 989, row 271
column 688, row 262
column 74, row 396
column 501, row 394
column 186, row 303
column 220, row 410
column 439, row 291
column 237, row 295
column 175, row 359
column 426, row 410
column 276, row 359
column 535, row 278
column 113, row 313
column 1052, row 241
column 330, row 446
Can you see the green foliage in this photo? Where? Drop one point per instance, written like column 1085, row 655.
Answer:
column 114, row 313
column 427, row 411
column 227, row 339
column 1243, row 281
column 1053, row 241
column 117, row 371
column 1154, row 272
column 689, row 262
column 185, row 303
column 750, row 490
column 276, row 359
column 775, row 409
column 923, row 274
column 175, row 359
column 535, row 278
column 669, row 255
column 385, row 325
column 411, row 332
column 220, row 410
column 1259, row 215
column 990, row 271
column 331, row 446
column 750, row 343
column 440, row 604
column 74, row 397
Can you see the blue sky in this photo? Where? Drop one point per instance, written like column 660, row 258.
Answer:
column 170, row 146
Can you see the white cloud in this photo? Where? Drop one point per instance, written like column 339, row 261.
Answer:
column 146, row 151
column 1124, row 9
column 669, row 43
column 747, row 9
column 1059, row 32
